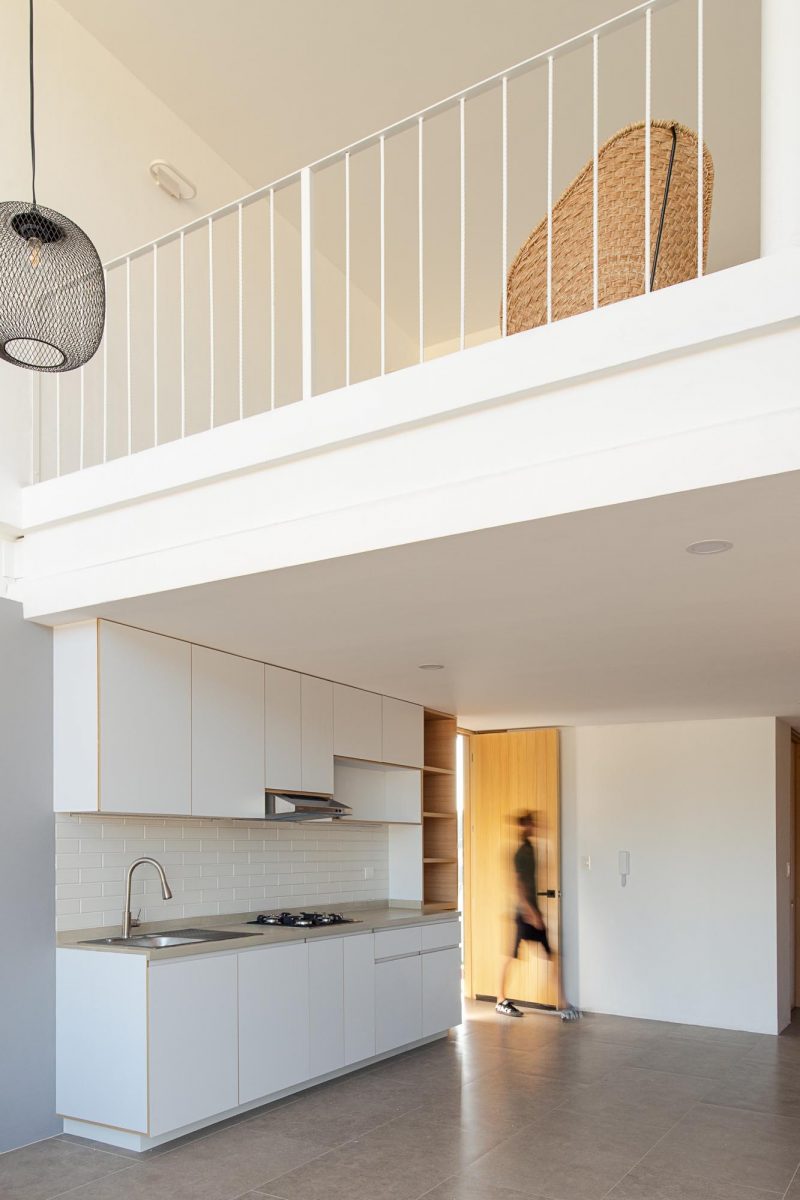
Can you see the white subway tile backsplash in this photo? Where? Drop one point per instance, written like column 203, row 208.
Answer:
column 213, row 867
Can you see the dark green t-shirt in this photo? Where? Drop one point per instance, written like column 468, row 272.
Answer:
column 525, row 867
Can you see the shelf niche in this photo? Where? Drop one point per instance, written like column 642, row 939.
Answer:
column 440, row 826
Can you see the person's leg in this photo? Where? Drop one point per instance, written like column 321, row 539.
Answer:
column 504, row 1005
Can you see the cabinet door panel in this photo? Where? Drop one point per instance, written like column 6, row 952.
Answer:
column 145, row 721
column 317, row 713
column 441, row 991
column 227, row 735
column 192, row 1059
column 283, row 723
column 359, row 997
column 273, row 1020
column 398, row 1003
column 403, row 732
column 326, row 1005
column 357, row 723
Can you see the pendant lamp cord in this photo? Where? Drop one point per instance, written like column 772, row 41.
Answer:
column 33, row 136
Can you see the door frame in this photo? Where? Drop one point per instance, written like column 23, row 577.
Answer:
column 467, row 835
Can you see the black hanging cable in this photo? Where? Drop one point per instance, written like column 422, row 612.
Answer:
column 33, row 135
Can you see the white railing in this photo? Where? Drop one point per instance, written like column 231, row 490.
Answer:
column 388, row 252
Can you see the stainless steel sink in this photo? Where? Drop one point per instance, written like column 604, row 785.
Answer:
column 160, row 941
column 147, row 941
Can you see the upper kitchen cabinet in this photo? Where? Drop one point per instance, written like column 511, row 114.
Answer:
column 122, row 720
column 283, row 726
column 357, row 723
column 227, row 735
column 403, row 732
column 317, row 735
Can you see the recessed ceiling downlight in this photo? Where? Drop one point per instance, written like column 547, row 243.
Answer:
column 431, row 666
column 709, row 546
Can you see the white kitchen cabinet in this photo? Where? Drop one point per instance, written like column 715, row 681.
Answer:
column 273, row 1020
column 145, row 721
column 403, row 732
column 398, row 1002
column 441, row 990
column 317, row 735
column 359, row 997
column 283, row 718
column 326, row 1005
column 227, row 735
column 193, row 1040
column 357, row 723
column 101, row 1038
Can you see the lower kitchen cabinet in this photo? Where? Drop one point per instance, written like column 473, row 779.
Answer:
column 359, row 997
column 193, row 1040
column 398, row 1002
column 326, row 1005
column 273, row 1019
column 148, row 1048
column 441, row 991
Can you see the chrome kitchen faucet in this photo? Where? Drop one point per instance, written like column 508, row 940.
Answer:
column 166, row 891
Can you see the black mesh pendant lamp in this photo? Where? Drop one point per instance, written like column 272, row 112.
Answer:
column 52, row 291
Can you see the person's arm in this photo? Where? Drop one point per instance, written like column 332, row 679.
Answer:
column 527, row 910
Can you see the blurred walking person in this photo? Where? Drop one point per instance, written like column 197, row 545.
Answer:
column 529, row 924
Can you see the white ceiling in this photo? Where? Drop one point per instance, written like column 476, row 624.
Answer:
column 272, row 86
column 593, row 617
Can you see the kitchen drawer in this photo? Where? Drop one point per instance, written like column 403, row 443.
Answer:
column 392, row 943
column 441, row 934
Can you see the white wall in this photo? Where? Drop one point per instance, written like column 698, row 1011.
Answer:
column 212, row 866
column 693, row 936
column 27, row 941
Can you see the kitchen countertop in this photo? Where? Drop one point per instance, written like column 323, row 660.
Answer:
column 367, row 918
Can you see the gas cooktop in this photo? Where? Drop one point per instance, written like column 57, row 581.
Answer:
column 303, row 919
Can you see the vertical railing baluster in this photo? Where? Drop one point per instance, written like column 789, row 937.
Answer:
column 700, row 121
column 105, row 380
column 183, row 330
column 240, row 277
column 271, row 298
column 212, row 360
column 462, row 224
column 648, row 73
column 128, row 367
column 347, row 269
column 58, row 426
column 383, row 252
column 595, row 171
column 504, row 203
column 155, row 344
column 81, row 452
column 421, row 238
column 550, row 73
column 307, row 279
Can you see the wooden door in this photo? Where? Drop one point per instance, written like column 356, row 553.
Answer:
column 511, row 773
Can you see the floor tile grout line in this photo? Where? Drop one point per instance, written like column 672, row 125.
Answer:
column 88, row 1182
column 791, row 1181
column 658, row 1142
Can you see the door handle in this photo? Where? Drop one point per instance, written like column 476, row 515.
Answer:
column 551, row 894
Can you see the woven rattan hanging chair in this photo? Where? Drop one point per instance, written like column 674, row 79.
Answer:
column 621, row 178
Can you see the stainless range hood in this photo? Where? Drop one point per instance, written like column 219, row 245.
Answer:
column 293, row 806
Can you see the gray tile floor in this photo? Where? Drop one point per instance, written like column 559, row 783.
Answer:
column 501, row 1110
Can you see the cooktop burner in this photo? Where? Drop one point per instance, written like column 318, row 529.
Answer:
column 303, row 919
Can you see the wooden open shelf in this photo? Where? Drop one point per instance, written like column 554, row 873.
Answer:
column 439, row 826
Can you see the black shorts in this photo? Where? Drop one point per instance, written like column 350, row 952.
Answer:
column 529, row 933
